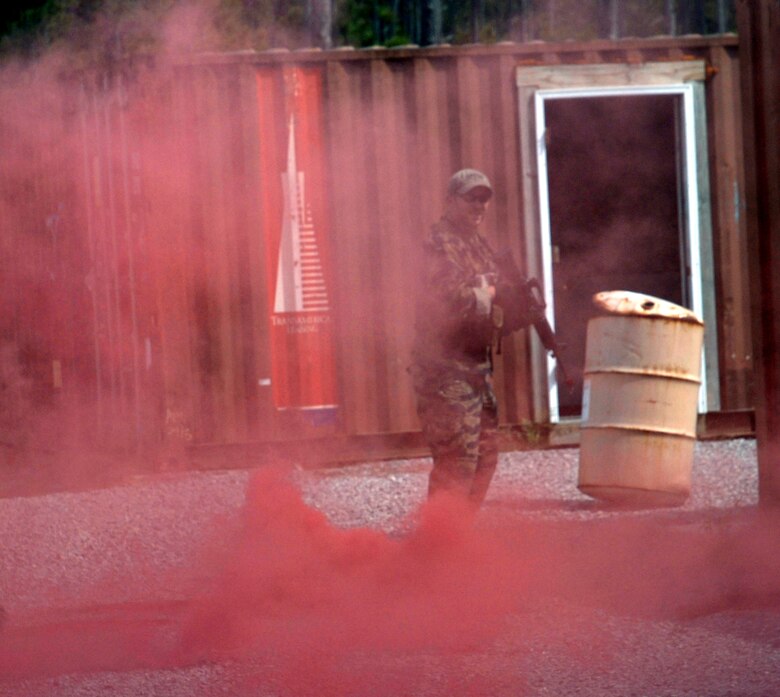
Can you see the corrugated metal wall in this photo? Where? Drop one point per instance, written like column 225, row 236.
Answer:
column 759, row 24
column 399, row 128
column 44, row 270
column 187, row 202
column 728, row 207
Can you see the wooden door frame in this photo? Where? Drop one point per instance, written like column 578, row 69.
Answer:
column 684, row 78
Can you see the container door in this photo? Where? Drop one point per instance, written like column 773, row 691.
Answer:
column 615, row 193
column 615, row 198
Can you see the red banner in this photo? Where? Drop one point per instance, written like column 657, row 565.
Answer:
column 296, row 231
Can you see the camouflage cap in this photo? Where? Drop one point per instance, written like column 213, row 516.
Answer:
column 467, row 179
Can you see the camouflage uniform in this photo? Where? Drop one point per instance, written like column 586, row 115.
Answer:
column 457, row 325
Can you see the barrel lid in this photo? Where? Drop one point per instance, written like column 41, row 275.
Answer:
column 626, row 302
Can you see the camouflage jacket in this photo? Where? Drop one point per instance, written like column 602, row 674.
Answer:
column 457, row 322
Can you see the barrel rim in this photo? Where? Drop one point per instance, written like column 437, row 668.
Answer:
column 643, row 372
column 631, row 303
column 655, row 430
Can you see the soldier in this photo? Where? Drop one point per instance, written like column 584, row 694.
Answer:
column 459, row 320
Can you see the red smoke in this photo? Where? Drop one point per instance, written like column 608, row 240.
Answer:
column 309, row 597
column 293, row 576
column 309, row 604
column 289, row 602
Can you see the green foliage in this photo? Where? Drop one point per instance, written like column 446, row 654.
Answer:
column 371, row 23
column 260, row 24
column 398, row 40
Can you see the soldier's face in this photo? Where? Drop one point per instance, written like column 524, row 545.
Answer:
column 468, row 211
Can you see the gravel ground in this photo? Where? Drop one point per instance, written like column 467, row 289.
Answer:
column 60, row 548
column 141, row 545
column 539, row 483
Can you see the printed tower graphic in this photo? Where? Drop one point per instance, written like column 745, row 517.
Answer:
column 296, row 229
column 300, row 281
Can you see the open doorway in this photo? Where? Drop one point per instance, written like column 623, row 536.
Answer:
column 615, row 195
column 616, row 209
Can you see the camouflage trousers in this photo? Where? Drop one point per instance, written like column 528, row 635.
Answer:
column 459, row 417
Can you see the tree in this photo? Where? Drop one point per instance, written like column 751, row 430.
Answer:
column 262, row 24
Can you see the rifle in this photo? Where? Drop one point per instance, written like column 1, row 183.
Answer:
column 525, row 305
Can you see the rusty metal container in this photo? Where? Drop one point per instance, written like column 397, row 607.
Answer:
column 640, row 396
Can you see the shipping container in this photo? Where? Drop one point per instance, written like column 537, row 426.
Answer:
column 243, row 231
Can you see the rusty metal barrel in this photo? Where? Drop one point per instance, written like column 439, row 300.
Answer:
column 640, row 397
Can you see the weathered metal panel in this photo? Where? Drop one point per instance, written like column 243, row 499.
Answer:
column 356, row 246
column 112, row 246
column 213, row 289
column 759, row 25
column 728, row 196
column 396, row 124
column 41, row 300
column 164, row 135
column 393, row 155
